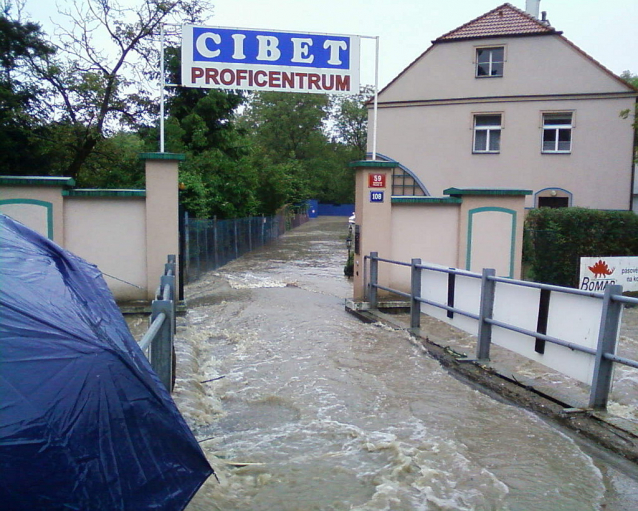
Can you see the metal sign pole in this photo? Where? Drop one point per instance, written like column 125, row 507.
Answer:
column 162, row 85
column 376, row 96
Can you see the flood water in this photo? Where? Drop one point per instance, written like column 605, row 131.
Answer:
column 300, row 406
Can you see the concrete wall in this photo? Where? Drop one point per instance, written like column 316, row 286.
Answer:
column 470, row 229
column 110, row 232
column 37, row 203
column 426, row 231
column 127, row 234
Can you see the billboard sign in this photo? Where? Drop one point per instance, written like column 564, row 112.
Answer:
column 596, row 273
column 267, row 60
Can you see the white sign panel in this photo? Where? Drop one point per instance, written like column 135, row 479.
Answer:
column 596, row 273
column 267, row 60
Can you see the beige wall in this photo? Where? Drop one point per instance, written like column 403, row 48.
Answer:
column 426, row 231
column 435, row 142
column 534, row 66
column 37, row 214
column 426, row 122
column 491, row 234
column 470, row 230
column 127, row 236
column 110, row 233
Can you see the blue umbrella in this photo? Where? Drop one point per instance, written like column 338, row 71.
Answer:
column 84, row 421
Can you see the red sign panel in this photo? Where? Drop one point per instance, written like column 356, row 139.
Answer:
column 376, row 180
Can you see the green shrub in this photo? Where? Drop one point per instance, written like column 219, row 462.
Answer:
column 556, row 239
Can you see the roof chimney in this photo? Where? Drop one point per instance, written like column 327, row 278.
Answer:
column 533, row 7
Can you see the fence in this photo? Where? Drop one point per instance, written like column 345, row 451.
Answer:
column 210, row 244
column 572, row 331
column 157, row 343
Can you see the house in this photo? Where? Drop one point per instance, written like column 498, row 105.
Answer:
column 506, row 101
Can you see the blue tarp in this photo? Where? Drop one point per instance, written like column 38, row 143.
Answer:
column 84, row 421
column 335, row 209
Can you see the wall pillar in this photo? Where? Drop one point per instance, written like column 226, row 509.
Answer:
column 162, row 214
column 373, row 206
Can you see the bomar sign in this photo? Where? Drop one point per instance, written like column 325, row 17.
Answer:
column 596, row 273
column 224, row 58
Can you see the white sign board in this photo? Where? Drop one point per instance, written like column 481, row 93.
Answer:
column 268, row 60
column 596, row 273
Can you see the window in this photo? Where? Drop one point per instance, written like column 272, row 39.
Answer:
column 557, row 132
column 403, row 183
column 487, row 133
column 489, row 62
column 553, row 202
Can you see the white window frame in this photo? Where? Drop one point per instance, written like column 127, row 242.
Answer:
column 490, row 131
column 557, row 128
column 491, row 61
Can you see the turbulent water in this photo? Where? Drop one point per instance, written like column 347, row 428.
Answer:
column 299, row 406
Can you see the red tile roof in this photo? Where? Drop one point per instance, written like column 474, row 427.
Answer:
column 505, row 20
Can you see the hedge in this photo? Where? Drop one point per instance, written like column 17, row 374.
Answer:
column 556, row 239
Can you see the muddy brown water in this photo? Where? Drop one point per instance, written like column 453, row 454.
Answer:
column 300, row 406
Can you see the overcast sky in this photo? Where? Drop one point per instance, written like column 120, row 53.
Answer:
column 604, row 29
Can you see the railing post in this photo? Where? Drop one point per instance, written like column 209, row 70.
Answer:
column 162, row 346
column 374, row 279
column 216, row 243
column 186, row 257
column 415, row 292
column 207, row 246
column 199, row 250
column 236, row 240
column 171, row 265
column 169, row 280
column 250, row 233
column 607, row 336
column 486, row 311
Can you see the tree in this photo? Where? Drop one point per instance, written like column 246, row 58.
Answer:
column 351, row 120
column 19, row 43
column 204, row 118
column 288, row 125
column 96, row 79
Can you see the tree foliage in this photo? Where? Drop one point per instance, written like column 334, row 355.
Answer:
column 351, row 120
column 96, row 78
column 20, row 44
column 288, row 125
column 556, row 239
column 84, row 104
column 321, row 135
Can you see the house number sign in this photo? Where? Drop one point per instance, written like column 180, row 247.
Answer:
column 376, row 180
column 376, row 196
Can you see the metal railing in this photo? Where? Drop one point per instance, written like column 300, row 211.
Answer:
column 211, row 243
column 604, row 354
column 157, row 343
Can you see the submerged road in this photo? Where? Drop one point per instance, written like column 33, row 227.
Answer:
column 299, row 406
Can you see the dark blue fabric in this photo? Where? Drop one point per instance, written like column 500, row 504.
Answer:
column 335, row 209
column 84, row 421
